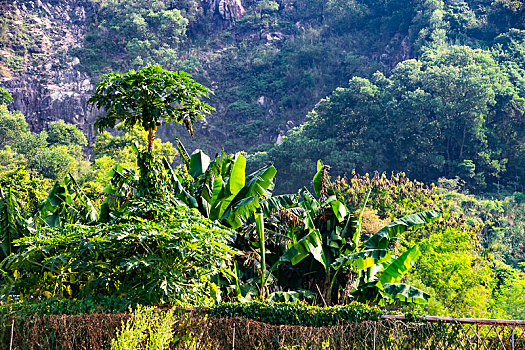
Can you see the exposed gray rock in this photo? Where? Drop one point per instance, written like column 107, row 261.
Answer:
column 272, row 36
column 52, row 88
column 230, row 9
column 227, row 11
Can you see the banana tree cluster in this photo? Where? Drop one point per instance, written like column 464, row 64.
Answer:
column 222, row 190
column 329, row 256
column 66, row 203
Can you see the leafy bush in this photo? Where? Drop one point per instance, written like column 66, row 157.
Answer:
column 458, row 277
column 169, row 258
column 145, row 327
column 297, row 313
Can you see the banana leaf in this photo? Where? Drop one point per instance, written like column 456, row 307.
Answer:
column 310, row 244
column 400, row 266
column 227, row 185
column 66, row 202
column 247, row 200
column 405, row 293
column 381, row 238
column 179, row 190
column 199, row 163
column 12, row 224
column 183, row 153
column 272, row 205
column 363, row 259
column 311, row 208
column 317, row 183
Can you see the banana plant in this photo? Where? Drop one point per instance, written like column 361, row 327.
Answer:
column 66, row 203
column 12, row 224
column 121, row 185
column 225, row 193
column 330, row 249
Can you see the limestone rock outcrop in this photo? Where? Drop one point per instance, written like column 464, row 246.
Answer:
column 50, row 87
column 230, row 9
column 226, row 11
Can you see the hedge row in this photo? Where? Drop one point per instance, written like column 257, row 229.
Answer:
column 299, row 314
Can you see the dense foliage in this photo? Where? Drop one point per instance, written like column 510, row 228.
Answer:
column 454, row 267
column 297, row 313
column 145, row 97
column 436, row 89
column 51, row 153
column 156, row 254
column 453, row 113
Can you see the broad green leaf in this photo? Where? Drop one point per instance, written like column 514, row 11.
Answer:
column 199, row 163
column 363, row 259
column 236, row 216
column 260, row 181
column 382, row 237
column 311, row 207
column 308, row 245
column 216, row 200
column 339, row 210
column 405, row 293
column 319, row 165
column 237, row 174
column 274, row 204
column 135, row 148
column 400, row 266
column 317, row 179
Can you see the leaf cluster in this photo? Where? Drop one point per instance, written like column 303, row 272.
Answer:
column 144, row 97
column 164, row 261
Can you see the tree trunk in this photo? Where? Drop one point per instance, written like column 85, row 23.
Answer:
column 151, row 138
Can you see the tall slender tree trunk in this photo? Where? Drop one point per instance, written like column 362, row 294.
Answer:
column 151, row 138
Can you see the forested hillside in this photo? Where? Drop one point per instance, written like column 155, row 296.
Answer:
column 268, row 62
column 455, row 110
column 268, row 65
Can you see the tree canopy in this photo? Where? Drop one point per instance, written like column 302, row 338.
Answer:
column 144, row 97
column 452, row 113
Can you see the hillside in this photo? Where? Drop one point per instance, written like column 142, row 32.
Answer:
column 268, row 62
column 454, row 111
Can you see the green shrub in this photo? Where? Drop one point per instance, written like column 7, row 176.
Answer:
column 297, row 313
column 168, row 257
column 147, row 326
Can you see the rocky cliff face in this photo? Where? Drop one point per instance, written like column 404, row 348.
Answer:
column 45, row 85
column 39, row 69
column 226, row 11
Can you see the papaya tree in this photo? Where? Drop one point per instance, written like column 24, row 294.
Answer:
column 142, row 98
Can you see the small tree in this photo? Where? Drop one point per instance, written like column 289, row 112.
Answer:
column 5, row 97
column 144, row 97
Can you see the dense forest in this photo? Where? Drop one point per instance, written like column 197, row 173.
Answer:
column 420, row 102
